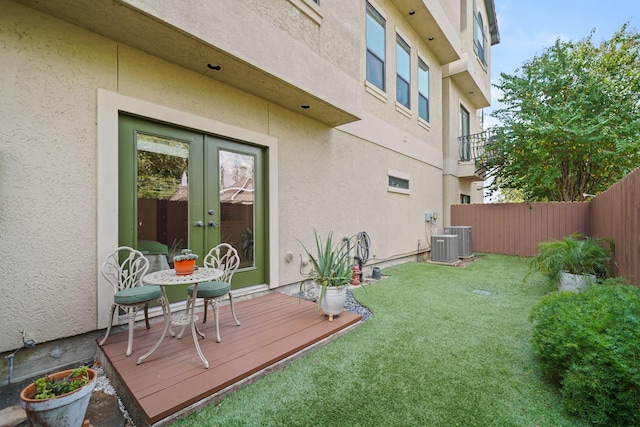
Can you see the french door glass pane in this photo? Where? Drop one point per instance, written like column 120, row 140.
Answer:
column 163, row 197
column 237, row 201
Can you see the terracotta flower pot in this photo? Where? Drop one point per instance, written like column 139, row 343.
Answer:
column 66, row 410
column 185, row 267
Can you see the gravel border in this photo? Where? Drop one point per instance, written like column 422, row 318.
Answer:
column 351, row 304
column 104, row 385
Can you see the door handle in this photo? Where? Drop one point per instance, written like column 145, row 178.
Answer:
column 199, row 224
column 212, row 224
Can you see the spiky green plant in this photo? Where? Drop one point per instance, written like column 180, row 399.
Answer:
column 331, row 265
column 47, row 387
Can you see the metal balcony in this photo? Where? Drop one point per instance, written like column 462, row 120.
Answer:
column 474, row 155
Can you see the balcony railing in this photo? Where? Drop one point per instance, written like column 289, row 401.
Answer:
column 474, row 148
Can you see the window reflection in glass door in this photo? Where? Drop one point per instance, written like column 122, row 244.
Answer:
column 163, row 195
column 237, row 201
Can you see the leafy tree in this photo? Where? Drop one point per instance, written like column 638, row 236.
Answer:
column 571, row 122
column 159, row 175
column 510, row 195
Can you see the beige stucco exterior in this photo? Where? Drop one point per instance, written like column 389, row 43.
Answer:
column 69, row 67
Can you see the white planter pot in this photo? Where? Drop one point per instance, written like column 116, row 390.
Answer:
column 333, row 301
column 575, row 282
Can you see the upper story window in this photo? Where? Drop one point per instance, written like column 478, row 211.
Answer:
column 403, row 72
column 465, row 131
column 375, row 29
column 479, row 38
column 465, row 122
column 423, row 90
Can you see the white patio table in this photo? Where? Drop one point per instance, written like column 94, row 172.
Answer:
column 165, row 278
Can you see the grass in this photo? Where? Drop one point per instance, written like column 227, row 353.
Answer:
column 434, row 353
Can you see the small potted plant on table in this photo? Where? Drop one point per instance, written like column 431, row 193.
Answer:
column 185, row 263
column 331, row 271
column 60, row 399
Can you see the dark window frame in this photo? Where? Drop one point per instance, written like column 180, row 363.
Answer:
column 398, row 183
column 479, row 38
column 423, row 100
column 403, row 86
column 375, row 65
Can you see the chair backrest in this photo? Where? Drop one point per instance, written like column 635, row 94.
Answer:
column 225, row 257
column 129, row 272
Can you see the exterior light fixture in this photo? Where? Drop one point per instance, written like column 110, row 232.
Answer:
column 412, row 12
column 215, row 67
column 305, row 106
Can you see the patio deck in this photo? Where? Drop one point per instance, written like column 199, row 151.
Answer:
column 172, row 382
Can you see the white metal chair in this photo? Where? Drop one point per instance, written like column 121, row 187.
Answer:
column 225, row 258
column 129, row 293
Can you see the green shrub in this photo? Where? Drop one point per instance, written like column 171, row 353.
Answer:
column 574, row 254
column 589, row 344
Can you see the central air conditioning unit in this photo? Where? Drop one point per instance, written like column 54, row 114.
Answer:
column 465, row 244
column 444, row 248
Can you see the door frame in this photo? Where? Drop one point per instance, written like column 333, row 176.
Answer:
column 110, row 105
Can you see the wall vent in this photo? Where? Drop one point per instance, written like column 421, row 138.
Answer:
column 465, row 244
column 444, row 248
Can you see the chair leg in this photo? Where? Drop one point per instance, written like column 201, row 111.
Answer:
column 215, row 303
column 146, row 315
column 113, row 309
column 131, row 315
column 233, row 310
column 206, row 303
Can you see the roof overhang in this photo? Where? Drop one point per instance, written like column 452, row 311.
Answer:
column 431, row 23
column 493, row 22
column 331, row 95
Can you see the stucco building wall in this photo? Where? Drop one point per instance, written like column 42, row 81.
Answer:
column 62, row 85
column 328, row 178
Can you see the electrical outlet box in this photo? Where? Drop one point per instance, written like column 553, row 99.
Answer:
column 427, row 216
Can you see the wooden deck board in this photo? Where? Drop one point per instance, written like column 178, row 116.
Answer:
column 273, row 328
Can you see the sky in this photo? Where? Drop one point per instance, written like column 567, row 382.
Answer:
column 527, row 27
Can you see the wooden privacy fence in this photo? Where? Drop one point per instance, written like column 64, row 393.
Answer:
column 615, row 213
column 516, row 228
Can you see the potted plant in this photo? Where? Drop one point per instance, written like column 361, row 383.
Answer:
column 331, row 270
column 60, row 399
column 185, row 263
column 574, row 262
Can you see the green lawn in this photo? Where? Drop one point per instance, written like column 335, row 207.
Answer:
column 435, row 353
